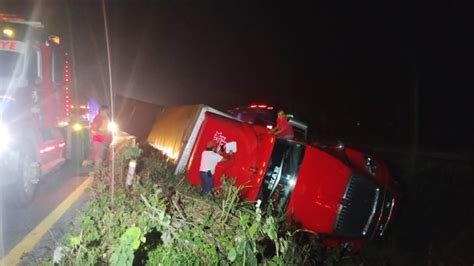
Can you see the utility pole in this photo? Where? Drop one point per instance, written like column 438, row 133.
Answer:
column 415, row 120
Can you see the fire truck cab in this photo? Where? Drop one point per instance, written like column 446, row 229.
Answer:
column 34, row 104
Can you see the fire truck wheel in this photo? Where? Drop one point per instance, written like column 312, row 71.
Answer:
column 28, row 175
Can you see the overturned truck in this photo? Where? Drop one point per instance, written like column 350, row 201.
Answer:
column 345, row 196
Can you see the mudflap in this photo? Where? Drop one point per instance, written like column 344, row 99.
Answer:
column 77, row 145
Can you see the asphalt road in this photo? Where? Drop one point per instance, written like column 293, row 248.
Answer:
column 17, row 224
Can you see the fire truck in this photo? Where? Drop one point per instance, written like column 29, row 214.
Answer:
column 35, row 80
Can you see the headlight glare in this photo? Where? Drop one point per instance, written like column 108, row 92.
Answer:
column 77, row 127
column 112, row 127
column 5, row 137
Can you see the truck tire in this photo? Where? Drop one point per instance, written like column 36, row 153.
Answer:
column 28, row 175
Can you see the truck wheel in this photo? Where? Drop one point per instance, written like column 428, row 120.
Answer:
column 28, row 175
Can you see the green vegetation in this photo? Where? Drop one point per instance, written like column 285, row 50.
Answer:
column 162, row 220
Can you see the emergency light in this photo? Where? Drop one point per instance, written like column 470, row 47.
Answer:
column 9, row 32
column 55, row 39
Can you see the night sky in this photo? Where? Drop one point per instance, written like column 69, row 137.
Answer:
column 332, row 63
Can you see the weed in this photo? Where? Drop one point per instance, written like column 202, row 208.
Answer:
column 164, row 221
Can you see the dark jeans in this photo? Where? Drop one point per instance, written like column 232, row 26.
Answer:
column 206, row 182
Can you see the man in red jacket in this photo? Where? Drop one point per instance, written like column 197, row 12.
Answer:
column 101, row 136
column 283, row 128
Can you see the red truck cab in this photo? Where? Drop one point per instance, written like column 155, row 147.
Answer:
column 337, row 192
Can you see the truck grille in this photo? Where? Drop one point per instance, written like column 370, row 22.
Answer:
column 360, row 209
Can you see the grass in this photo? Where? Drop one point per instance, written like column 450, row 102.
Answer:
column 162, row 220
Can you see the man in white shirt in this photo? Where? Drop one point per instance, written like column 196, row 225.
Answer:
column 209, row 160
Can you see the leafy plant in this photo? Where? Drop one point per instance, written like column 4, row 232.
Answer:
column 129, row 242
column 164, row 221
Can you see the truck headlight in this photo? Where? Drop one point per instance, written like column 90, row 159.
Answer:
column 5, row 137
